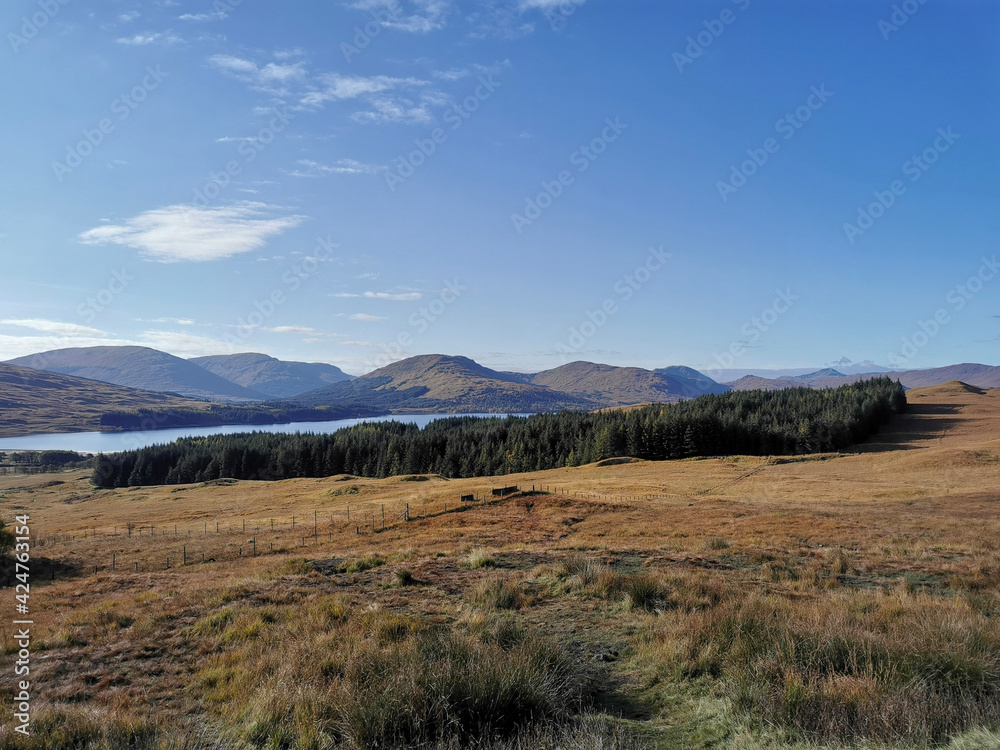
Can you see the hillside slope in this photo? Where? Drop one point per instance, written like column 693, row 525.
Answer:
column 139, row 367
column 439, row 383
column 34, row 401
column 981, row 376
column 270, row 376
column 622, row 386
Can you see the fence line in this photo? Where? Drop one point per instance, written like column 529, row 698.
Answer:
column 284, row 531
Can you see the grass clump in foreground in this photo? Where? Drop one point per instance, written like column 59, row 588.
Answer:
column 480, row 558
column 849, row 667
column 341, row 685
column 497, row 593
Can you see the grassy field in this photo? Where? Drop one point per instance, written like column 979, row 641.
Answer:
column 822, row 601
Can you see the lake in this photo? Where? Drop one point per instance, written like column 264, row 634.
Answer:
column 112, row 442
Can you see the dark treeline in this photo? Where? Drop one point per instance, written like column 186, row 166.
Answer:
column 748, row 422
column 43, row 458
column 158, row 419
column 42, row 462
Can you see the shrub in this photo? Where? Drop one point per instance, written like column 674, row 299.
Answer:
column 496, row 593
column 368, row 562
column 404, row 578
column 480, row 558
column 583, row 569
column 643, row 592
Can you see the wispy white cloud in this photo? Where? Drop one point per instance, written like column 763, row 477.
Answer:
column 175, row 321
column 308, row 168
column 216, row 15
column 182, row 344
column 129, row 17
column 366, row 318
column 235, row 139
column 190, row 233
column 274, row 78
column 456, row 74
column 396, row 110
column 331, row 87
column 394, row 296
column 415, row 16
column 524, row 5
column 55, row 327
column 291, row 329
column 142, row 40
column 511, row 19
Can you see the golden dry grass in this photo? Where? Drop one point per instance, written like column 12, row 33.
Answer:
column 632, row 567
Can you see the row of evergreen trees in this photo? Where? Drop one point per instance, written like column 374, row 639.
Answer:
column 784, row 422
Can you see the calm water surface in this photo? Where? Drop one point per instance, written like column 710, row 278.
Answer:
column 111, row 442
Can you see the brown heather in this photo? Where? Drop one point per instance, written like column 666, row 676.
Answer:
column 845, row 600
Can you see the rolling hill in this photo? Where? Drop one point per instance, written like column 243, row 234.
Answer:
column 269, row 376
column 34, row 401
column 621, row 386
column 439, row 383
column 981, row 376
column 142, row 368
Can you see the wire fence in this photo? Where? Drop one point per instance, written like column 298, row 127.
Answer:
column 147, row 547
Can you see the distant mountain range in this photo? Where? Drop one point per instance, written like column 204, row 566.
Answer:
column 622, row 386
column 843, row 366
column 981, row 376
column 270, row 376
column 230, row 378
column 436, row 383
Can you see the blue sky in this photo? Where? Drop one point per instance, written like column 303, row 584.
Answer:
column 525, row 182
